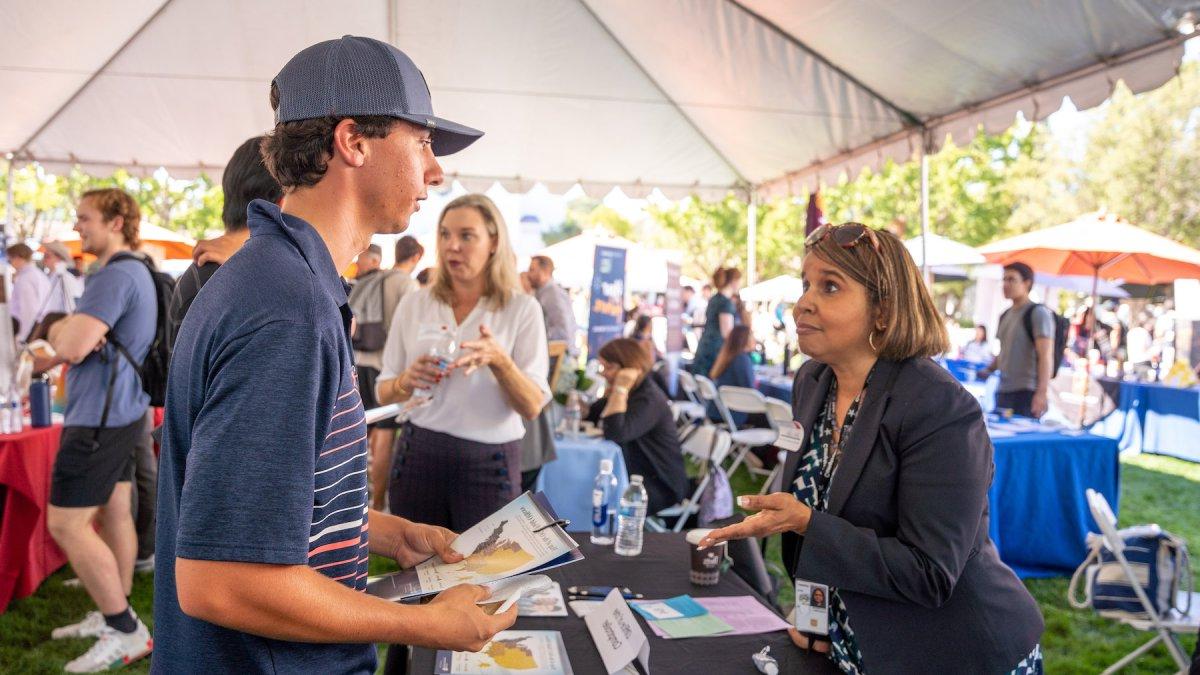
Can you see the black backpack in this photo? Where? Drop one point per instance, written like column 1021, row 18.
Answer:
column 1062, row 326
column 153, row 370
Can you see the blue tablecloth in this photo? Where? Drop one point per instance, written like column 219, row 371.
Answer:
column 771, row 383
column 961, row 369
column 1156, row 418
column 1039, row 515
column 567, row 481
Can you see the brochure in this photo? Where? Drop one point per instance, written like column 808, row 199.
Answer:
column 547, row 602
column 531, row 652
column 520, row 538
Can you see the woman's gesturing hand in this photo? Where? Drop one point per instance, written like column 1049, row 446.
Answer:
column 483, row 351
column 777, row 512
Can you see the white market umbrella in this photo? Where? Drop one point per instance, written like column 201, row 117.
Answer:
column 784, row 287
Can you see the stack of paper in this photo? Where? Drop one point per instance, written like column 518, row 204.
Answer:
column 680, row 617
column 685, row 616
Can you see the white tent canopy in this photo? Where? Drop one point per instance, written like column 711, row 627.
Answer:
column 684, row 95
column 784, row 287
column 942, row 252
column 574, row 258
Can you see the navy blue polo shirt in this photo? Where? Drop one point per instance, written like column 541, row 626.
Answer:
column 264, row 453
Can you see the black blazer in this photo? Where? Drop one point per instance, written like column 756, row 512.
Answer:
column 905, row 538
column 649, row 443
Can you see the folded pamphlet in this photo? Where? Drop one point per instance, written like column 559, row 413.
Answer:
column 521, row 538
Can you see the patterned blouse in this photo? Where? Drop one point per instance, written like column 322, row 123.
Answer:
column 811, row 487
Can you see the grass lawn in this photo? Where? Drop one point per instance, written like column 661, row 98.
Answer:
column 1153, row 489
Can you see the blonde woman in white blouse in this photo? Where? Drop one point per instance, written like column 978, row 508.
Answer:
column 458, row 459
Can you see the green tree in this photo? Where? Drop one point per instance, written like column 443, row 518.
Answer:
column 1142, row 160
column 710, row 234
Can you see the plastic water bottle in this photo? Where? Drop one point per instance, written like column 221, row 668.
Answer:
column 604, row 493
column 16, row 412
column 443, row 351
column 572, row 419
column 631, row 518
column 5, row 414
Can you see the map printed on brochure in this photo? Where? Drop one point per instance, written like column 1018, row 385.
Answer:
column 546, row 602
column 530, row 652
column 511, row 541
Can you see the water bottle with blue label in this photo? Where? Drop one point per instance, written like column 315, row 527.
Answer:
column 604, row 495
column 631, row 518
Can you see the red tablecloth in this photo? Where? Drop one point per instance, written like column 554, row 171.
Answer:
column 27, row 552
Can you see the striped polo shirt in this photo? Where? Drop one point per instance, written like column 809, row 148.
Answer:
column 264, row 453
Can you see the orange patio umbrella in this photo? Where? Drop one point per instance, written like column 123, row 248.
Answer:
column 1100, row 245
column 157, row 241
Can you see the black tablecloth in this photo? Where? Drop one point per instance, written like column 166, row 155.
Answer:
column 661, row 571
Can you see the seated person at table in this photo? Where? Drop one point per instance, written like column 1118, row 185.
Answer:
column 886, row 502
column 636, row 416
column 978, row 350
column 733, row 368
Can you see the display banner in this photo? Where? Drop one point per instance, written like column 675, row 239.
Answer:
column 606, row 309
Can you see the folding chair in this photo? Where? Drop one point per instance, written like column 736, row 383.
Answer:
column 781, row 414
column 691, row 411
column 1164, row 627
column 749, row 401
column 711, row 445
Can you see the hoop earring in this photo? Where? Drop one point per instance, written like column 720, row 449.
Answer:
column 871, row 341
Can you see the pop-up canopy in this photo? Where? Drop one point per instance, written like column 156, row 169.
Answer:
column 688, row 96
column 683, row 95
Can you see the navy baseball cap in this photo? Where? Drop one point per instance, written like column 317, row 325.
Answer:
column 362, row 76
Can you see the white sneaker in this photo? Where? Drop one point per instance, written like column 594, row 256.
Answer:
column 91, row 626
column 144, row 564
column 114, row 650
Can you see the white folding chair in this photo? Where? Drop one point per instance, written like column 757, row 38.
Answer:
column 1163, row 627
column 690, row 412
column 711, row 445
column 781, row 414
column 752, row 402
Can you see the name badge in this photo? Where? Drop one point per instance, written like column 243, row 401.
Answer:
column 790, row 438
column 812, row 608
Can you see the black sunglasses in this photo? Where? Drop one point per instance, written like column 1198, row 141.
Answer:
column 847, row 235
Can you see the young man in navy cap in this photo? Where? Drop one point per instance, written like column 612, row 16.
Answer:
column 263, row 516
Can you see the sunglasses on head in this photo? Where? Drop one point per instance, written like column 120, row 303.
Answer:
column 847, row 235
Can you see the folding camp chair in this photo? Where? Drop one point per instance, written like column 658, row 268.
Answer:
column 781, row 414
column 1164, row 627
column 690, row 412
column 750, row 401
column 711, row 445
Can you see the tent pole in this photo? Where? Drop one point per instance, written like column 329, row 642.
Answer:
column 1091, row 343
column 925, row 208
column 751, row 239
column 8, row 204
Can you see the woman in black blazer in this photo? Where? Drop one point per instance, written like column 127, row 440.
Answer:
column 885, row 502
column 635, row 415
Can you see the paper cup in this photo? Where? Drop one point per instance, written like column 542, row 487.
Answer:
column 705, row 564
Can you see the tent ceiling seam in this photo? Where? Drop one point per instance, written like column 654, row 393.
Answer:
column 909, row 118
column 83, row 87
column 645, row 73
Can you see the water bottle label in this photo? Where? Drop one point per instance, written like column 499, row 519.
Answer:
column 628, row 511
column 599, row 510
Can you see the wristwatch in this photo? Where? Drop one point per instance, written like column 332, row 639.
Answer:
column 621, row 389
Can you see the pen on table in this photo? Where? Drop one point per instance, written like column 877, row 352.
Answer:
column 583, row 594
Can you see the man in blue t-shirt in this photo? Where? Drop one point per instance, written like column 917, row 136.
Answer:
column 105, row 416
column 263, row 515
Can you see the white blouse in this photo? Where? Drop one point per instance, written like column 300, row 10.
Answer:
column 472, row 407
